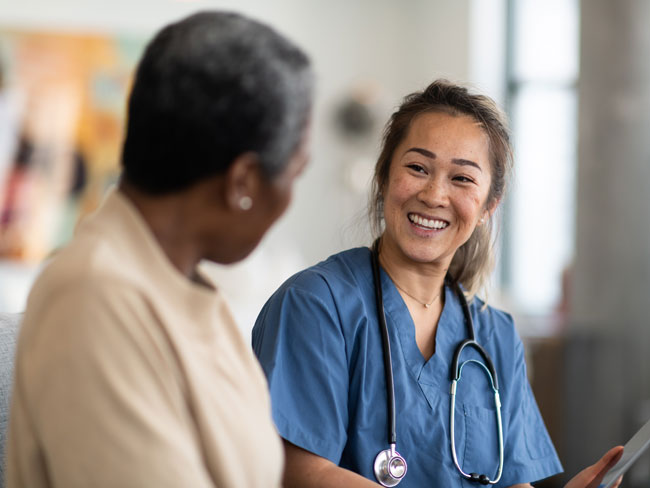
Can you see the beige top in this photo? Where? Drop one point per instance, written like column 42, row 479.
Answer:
column 130, row 375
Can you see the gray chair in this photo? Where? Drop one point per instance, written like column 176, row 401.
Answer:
column 9, row 324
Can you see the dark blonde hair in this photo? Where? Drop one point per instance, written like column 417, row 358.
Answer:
column 474, row 260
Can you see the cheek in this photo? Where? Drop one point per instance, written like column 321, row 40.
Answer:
column 400, row 190
column 464, row 199
column 473, row 206
column 284, row 203
column 281, row 199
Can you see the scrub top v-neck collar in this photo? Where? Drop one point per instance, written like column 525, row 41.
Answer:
column 449, row 331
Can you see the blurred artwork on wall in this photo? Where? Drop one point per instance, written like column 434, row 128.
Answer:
column 62, row 113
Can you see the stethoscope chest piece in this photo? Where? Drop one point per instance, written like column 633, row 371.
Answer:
column 390, row 467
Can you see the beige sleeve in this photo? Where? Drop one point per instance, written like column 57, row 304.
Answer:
column 99, row 392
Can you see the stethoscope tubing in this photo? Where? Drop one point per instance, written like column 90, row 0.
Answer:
column 456, row 371
column 388, row 362
column 452, row 420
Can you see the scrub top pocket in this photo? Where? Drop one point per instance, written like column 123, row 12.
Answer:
column 480, row 452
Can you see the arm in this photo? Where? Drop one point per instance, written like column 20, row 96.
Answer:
column 307, row 470
column 592, row 476
column 301, row 347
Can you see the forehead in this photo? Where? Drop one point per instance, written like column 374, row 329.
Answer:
column 454, row 136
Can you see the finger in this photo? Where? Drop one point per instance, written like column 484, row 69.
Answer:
column 606, row 463
column 618, row 482
column 611, row 457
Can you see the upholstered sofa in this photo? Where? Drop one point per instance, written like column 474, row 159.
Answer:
column 8, row 333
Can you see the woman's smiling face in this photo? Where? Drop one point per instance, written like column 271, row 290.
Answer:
column 438, row 185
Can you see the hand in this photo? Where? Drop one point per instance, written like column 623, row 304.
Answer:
column 592, row 476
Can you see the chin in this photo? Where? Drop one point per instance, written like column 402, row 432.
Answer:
column 422, row 258
column 424, row 255
column 235, row 255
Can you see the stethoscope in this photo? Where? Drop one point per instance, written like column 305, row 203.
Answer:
column 390, row 467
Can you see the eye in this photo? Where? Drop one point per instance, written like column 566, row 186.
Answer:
column 418, row 168
column 464, row 179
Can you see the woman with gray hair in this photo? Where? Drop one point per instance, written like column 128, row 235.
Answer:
column 130, row 370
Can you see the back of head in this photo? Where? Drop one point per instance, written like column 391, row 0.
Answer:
column 209, row 88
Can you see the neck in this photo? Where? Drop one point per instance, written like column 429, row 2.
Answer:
column 168, row 220
column 421, row 282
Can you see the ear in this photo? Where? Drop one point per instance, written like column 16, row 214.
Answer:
column 489, row 211
column 242, row 182
column 492, row 207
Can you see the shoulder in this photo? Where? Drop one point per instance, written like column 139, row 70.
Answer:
column 80, row 272
column 82, row 293
column 493, row 324
column 105, row 253
column 490, row 314
column 111, row 247
column 327, row 298
column 338, row 275
column 84, row 310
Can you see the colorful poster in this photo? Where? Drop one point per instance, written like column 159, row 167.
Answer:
column 62, row 113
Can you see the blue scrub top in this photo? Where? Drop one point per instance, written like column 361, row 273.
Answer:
column 319, row 343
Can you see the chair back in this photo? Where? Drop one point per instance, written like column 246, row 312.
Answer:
column 9, row 323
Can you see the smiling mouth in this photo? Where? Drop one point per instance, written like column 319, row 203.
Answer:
column 427, row 223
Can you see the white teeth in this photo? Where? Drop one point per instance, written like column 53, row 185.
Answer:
column 430, row 224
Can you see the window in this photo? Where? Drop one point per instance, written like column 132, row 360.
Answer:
column 541, row 72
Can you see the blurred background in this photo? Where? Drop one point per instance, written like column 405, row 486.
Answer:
column 574, row 240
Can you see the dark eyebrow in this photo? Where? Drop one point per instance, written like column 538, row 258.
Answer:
column 466, row 162
column 424, row 152
column 459, row 161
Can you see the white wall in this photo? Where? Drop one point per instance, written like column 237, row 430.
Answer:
column 397, row 46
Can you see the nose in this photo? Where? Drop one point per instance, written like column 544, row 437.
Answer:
column 435, row 193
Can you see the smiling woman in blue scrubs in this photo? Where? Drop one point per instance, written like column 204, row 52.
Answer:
column 441, row 174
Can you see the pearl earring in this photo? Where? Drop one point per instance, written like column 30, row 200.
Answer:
column 481, row 220
column 245, row 203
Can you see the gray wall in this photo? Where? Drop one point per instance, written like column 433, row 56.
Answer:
column 608, row 360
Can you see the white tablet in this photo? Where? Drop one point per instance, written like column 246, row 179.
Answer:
column 632, row 450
